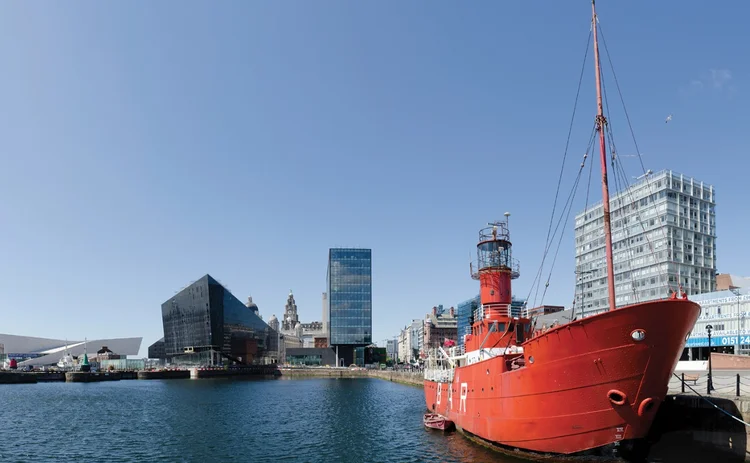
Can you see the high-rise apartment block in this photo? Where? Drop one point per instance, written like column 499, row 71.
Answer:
column 663, row 238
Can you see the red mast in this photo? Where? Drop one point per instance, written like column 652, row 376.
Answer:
column 601, row 122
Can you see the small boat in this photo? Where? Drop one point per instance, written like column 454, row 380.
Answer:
column 436, row 421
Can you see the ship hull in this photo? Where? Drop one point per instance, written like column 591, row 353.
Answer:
column 587, row 386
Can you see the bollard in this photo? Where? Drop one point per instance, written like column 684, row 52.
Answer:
column 683, row 383
column 738, row 384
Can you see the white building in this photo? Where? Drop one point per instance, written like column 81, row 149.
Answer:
column 727, row 313
column 391, row 348
column 403, row 346
column 663, row 236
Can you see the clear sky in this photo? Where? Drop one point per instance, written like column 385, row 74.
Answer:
column 145, row 145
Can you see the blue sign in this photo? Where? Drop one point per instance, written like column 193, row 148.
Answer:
column 717, row 341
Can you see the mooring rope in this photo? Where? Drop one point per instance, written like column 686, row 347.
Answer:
column 712, row 404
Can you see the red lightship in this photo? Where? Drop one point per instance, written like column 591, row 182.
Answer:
column 588, row 387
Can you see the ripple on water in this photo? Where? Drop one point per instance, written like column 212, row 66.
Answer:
column 306, row 420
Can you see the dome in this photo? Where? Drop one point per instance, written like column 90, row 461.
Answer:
column 273, row 318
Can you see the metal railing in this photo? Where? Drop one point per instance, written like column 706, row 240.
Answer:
column 439, row 375
column 504, row 310
column 732, row 384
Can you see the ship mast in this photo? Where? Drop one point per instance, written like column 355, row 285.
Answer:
column 601, row 123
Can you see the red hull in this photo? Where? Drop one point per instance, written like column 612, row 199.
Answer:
column 565, row 401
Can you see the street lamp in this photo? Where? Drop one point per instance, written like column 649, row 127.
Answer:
column 710, row 385
column 737, row 348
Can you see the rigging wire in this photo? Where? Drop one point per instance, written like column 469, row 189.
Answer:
column 585, row 210
column 619, row 168
column 620, row 188
column 548, row 240
column 569, row 207
column 711, row 403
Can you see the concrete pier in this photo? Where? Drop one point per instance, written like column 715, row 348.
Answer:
column 250, row 371
column 88, row 377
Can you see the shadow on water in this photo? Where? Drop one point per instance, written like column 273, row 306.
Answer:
column 688, row 429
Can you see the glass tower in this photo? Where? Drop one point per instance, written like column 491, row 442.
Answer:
column 349, row 282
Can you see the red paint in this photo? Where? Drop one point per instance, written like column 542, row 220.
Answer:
column 581, row 386
column 559, row 403
column 495, row 286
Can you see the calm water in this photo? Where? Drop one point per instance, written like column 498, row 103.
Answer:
column 310, row 420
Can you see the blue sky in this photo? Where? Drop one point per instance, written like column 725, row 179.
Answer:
column 143, row 147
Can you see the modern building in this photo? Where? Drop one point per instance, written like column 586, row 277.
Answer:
column 439, row 326
column 464, row 317
column 663, row 237
column 391, row 349
column 311, row 357
column 349, row 296
column 157, row 350
column 369, row 355
column 27, row 350
column 727, row 313
column 204, row 324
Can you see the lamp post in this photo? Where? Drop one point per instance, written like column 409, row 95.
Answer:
column 737, row 344
column 710, row 385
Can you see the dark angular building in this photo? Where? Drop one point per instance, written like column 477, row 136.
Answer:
column 157, row 350
column 370, row 355
column 204, row 323
column 349, row 284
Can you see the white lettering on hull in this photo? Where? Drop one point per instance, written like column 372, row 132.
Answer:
column 464, row 393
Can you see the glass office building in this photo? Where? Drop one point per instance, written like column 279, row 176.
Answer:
column 207, row 322
column 349, row 282
column 465, row 309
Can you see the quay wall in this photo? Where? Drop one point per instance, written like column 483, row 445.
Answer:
column 88, row 377
column 258, row 371
column 164, row 374
column 411, row 378
column 322, row 373
column 403, row 377
column 689, row 428
column 45, row 376
column 12, row 377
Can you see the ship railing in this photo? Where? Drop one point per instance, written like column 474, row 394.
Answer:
column 497, row 263
column 438, row 375
column 457, row 351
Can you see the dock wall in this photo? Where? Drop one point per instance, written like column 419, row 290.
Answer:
column 164, row 374
column 12, row 377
